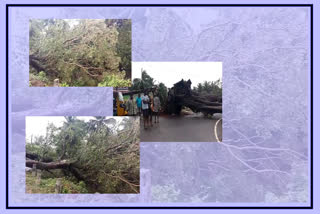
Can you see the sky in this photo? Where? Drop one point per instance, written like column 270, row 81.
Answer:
column 172, row 72
column 36, row 125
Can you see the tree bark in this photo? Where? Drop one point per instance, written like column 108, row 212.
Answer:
column 68, row 166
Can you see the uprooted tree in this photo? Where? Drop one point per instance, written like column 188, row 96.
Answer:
column 87, row 52
column 103, row 153
column 207, row 101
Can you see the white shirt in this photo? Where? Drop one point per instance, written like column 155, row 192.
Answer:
column 146, row 99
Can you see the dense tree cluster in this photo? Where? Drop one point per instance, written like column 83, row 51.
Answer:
column 210, row 87
column 84, row 52
column 103, row 153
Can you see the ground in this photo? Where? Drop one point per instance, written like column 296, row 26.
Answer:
column 181, row 129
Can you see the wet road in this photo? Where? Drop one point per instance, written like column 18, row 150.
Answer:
column 181, row 129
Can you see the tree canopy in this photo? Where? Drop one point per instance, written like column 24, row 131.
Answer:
column 210, row 87
column 80, row 52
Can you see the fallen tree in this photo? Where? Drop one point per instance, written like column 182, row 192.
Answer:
column 101, row 152
column 79, row 52
column 181, row 95
column 48, row 166
column 69, row 167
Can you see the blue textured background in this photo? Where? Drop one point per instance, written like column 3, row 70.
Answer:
column 265, row 54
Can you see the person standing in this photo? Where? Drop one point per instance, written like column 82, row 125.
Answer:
column 150, row 110
column 156, row 108
column 138, row 102
column 145, row 109
column 130, row 107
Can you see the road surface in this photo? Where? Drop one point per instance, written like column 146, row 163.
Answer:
column 181, row 129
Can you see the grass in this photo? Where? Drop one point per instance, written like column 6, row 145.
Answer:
column 47, row 185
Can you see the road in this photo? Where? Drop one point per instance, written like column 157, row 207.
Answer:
column 181, row 129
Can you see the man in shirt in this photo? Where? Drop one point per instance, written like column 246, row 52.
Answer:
column 150, row 107
column 145, row 109
column 130, row 107
column 138, row 102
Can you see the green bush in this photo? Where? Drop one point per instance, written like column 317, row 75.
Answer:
column 115, row 80
column 41, row 76
column 64, row 84
column 47, row 185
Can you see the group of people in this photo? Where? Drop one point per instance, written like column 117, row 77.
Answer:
column 146, row 105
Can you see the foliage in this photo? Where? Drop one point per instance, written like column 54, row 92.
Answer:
column 41, row 145
column 163, row 94
column 68, row 140
column 124, row 45
column 145, row 82
column 137, row 84
column 104, row 152
column 48, row 185
column 115, row 80
column 210, row 87
column 41, row 77
column 79, row 52
column 116, row 157
column 64, row 84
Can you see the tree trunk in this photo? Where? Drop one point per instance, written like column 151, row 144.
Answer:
column 47, row 166
column 68, row 166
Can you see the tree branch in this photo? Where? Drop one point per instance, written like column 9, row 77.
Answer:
column 132, row 186
column 85, row 68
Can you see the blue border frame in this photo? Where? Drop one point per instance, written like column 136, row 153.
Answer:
column 159, row 5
